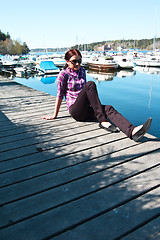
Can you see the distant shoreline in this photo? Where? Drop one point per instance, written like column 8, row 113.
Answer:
column 141, row 44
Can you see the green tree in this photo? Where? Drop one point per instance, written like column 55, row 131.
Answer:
column 25, row 48
column 12, row 47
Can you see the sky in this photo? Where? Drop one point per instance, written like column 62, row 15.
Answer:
column 62, row 23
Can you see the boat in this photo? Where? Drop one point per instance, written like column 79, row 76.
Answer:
column 7, row 62
column 57, row 59
column 123, row 62
column 47, row 67
column 59, row 62
column 102, row 64
column 151, row 61
column 22, row 71
column 25, row 61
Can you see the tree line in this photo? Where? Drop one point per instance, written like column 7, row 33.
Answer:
column 14, row 47
column 11, row 47
column 142, row 44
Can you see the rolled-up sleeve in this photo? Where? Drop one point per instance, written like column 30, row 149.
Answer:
column 61, row 84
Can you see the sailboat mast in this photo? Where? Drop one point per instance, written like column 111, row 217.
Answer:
column 155, row 36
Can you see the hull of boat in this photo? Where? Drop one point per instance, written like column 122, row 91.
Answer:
column 102, row 67
column 148, row 63
column 51, row 71
column 47, row 67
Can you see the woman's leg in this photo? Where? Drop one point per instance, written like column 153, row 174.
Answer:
column 87, row 105
column 118, row 120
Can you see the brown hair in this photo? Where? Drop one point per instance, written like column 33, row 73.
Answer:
column 71, row 53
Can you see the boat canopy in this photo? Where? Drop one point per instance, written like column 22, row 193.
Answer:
column 47, row 65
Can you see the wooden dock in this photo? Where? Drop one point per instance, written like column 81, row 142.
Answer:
column 68, row 180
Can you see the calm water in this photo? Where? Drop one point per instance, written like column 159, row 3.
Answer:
column 135, row 94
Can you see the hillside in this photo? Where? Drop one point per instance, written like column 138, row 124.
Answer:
column 142, row 44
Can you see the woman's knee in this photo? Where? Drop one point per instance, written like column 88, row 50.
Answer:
column 91, row 84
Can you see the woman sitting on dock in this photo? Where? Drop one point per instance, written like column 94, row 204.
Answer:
column 83, row 102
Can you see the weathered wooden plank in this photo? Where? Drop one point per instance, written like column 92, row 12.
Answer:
column 106, row 147
column 150, row 230
column 85, row 178
column 32, row 125
column 116, row 222
column 107, row 207
column 24, row 116
column 31, row 113
column 47, row 136
column 114, row 153
column 53, row 144
column 27, row 132
column 76, row 151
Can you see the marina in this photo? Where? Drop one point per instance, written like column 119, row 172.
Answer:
column 63, row 176
column 133, row 92
column 64, row 179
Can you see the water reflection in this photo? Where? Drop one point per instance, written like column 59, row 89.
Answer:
column 150, row 93
column 47, row 79
column 103, row 76
column 109, row 76
column 148, row 70
column 125, row 73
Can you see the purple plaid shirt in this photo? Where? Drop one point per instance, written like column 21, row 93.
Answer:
column 70, row 83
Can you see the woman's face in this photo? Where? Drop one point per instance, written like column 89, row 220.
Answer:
column 74, row 62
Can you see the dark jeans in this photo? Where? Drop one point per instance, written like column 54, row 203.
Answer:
column 88, row 107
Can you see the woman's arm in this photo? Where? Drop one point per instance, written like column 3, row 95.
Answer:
column 56, row 111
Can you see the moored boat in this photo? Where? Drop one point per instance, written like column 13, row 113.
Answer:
column 102, row 64
column 47, row 67
column 148, row 62
column 123, row 62
column 22, row 71
column 7, row 62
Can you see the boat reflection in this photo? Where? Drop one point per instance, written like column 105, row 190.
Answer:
column 47, row 79
column 125, row 73
column 109, row 76
column 148, row 70
column 103, row 76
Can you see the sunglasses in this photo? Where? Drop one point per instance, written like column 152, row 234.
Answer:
column 76, row 61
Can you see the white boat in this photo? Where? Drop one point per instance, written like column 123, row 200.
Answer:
column 22, row 71
column 41, row 58
column 58, row 60
column 8, row 62
column 148, row 61
column 102, row 64
column 25, row 61
column 47, row 67
column 124, row 62
column 85, row 58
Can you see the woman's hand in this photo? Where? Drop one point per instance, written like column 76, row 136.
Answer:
column 49, row 117
column 57, row 107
